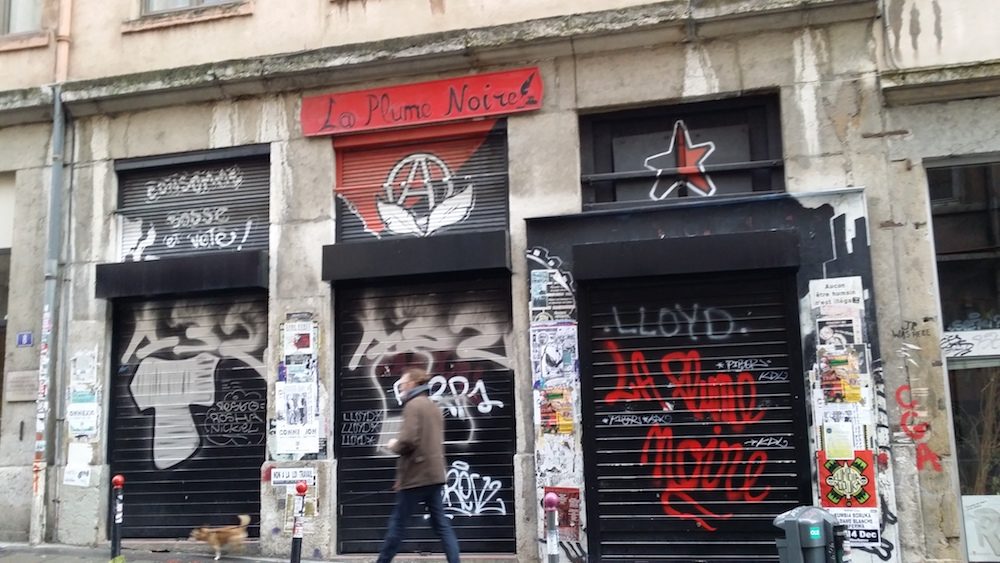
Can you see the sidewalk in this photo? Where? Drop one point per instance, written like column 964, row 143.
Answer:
column 23, row 553
column 49, row 553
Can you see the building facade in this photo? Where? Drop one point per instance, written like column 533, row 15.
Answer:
column 687, row 265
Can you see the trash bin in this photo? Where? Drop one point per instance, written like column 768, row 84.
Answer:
column 808, row 536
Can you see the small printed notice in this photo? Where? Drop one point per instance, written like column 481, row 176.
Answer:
column 292, row 475
column 836, row 291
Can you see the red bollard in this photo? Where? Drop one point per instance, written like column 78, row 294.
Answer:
column 300, row 511
column 550, row 502
column 118, row 484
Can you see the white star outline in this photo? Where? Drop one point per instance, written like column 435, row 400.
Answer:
column 701, row 167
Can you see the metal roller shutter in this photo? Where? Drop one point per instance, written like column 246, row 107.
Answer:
column 425, row 187
column 189, row 411
column 460, row 332
column 696, row 432
column 210, row 206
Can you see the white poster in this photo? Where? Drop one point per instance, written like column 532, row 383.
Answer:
column 77, row 471
column 862, row 524
column 829, row 292
column 82, row 419
column 554, row 355
column 982, row 526
column 296, row 423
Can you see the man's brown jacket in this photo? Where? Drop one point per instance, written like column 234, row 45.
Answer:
column 420, row 444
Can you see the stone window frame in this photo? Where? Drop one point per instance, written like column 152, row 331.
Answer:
column 598, row 131
column 146, row 21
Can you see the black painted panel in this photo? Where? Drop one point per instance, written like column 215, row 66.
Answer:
column 676, row 255
column 695, row 434
column 188, row 412
column 183, row 274
column 477, row 251
column 460, row 331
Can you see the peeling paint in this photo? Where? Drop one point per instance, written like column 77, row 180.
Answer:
column 699, row 74
column 807, row 79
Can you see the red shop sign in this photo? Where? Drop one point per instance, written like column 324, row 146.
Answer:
column 479, row 95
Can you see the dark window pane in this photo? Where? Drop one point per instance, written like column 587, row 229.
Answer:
column 975, row 395
column 964, row 202
column 969, row 294
column 669, row 153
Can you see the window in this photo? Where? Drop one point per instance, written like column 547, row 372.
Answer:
column 965, row 207
column 965, row 203
column 20, row 16
column 706, row 149
column 159, row 6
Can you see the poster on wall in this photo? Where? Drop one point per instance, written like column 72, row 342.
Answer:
column 982, row 526
column 298, row 416
column 556, row 410
column 844, row 373
column 551, row 296
column 847, row 489
column 83, row 409
column 568, row 511
column 554, row 355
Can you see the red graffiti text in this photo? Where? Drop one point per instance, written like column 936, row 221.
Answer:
column 693, row 471
column 917, row 431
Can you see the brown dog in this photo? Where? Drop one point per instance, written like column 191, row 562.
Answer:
column 230, row 537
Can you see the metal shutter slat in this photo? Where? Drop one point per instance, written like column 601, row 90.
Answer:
column 214, row 206
column 479, row 161
column 696, row 422
column 463, row 327
column 206, row 470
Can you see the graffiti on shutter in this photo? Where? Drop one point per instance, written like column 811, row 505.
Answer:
column 189, row 413
column 694, row 412
column 423, row 189
column 459, row 334
column 184, row 210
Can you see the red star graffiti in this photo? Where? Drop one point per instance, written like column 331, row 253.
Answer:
column 688, row 161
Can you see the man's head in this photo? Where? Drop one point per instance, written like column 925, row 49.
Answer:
column 412, row 378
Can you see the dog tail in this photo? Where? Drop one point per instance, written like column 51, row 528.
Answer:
column 244, row 520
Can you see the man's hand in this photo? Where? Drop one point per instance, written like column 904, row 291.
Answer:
column 391, row 444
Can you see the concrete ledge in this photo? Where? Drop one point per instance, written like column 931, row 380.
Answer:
column 25, row 106
column 458, row 49
column 941, row 84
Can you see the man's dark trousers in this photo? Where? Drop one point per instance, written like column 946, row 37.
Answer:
column 406, row 503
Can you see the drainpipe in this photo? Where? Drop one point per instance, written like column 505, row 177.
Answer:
column 48, row 431
column 48, row 394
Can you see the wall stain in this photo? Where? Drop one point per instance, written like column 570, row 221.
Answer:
column 938, row 33
column 914, row 27
column 896, row 20
column 437, row 7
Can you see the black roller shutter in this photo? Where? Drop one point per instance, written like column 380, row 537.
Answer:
column 460, row 330
column 427, row 187
column 219, row 205
column 188, row 414
column 695, row 421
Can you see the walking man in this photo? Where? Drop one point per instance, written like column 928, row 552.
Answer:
column 420, row 469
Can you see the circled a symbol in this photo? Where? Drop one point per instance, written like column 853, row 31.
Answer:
column 348, row 120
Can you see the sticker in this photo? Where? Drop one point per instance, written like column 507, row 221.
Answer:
column 847, row 483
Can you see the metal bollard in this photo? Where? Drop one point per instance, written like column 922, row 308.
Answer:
column 118, row 484
column 550, row 502
column 300, row 511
